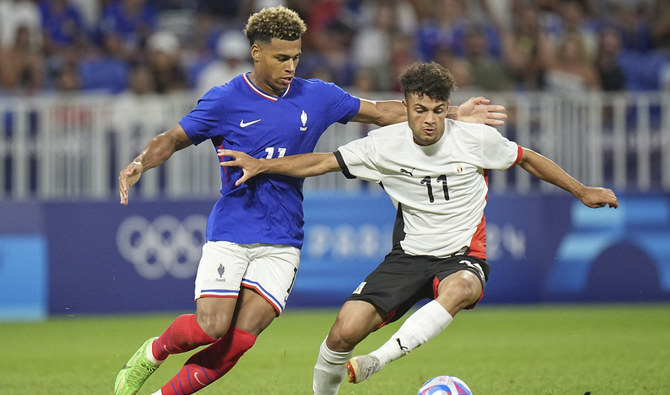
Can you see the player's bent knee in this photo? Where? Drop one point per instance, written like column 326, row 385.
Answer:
column 354, row 322
column 337, row 341
column 344, row 338
column 214, row 315
column 213, row 325
column 469, row 294
column 460, row 291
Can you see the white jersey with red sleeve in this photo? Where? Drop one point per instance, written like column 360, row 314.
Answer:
column 440, row 190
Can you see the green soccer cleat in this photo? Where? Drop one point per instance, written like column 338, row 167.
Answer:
column 135, row 372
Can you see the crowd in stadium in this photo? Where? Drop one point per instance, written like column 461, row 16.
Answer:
column 163, row 46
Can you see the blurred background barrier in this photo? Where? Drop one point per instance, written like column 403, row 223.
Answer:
column 74, row 146
column 75, row 257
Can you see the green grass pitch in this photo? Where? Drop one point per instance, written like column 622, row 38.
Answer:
column 547, row 349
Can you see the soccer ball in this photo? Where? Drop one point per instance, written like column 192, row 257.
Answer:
column 444, row 385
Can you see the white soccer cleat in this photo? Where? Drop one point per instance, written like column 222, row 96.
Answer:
column 361, row 368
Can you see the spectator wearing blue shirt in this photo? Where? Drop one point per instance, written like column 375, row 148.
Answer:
column 62, row 23
column 132, row 21
column 105, row 70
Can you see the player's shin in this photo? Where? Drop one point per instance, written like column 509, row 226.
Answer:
column 329, row 370
column 210, row 364
column 426, row 323
column 184, row 334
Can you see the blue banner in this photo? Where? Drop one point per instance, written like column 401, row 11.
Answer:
column 621, row 255
column 110, row 258
column 346, row 237
column 85, row 257
column 23, row 277
column 23, row 262
column 540, row 248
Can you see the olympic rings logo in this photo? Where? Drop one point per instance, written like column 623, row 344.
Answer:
column 164, row 245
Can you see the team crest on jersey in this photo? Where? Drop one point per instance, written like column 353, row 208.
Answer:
column 303, row 119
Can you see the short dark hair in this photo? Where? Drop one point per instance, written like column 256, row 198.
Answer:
column 274, row 22
column 429, row 79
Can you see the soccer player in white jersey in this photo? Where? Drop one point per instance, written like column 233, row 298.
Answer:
column 435, row 171
column 254, row 231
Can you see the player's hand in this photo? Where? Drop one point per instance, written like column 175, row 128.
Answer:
column 127, row 178
column 250, row 165
column 478, row 110
column 596, row 197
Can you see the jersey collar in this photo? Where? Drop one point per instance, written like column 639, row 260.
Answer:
column 260, row 92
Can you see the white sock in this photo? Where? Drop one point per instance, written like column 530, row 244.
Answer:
column 329, row 370
column 150, row 356
column 423, row 325
column 159, row 392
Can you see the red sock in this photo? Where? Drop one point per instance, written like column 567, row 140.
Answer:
column 184, row 334
column 208, row 365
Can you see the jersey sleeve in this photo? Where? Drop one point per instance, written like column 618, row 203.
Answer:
column 199, row 123
column 498, row 153
column 343, row 106
column 357, row 159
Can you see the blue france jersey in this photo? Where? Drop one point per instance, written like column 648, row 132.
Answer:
column 239, row 116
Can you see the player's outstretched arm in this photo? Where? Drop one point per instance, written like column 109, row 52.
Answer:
column 381, row 113
column 546, row 170
column 480, row 110
column 303, row 165
column 388, row 112
column 157, row 151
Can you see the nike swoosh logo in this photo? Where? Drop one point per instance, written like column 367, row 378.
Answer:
column 245, row 124
column 195, row 375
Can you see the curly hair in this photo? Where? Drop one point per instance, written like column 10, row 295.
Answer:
column 430, row 79
column 274, row 22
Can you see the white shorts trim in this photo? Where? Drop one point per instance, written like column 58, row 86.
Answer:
column 268, row 269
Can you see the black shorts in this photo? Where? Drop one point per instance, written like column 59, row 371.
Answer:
column 402, row 280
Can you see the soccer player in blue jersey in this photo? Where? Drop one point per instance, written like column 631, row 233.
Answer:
column 255, row 231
